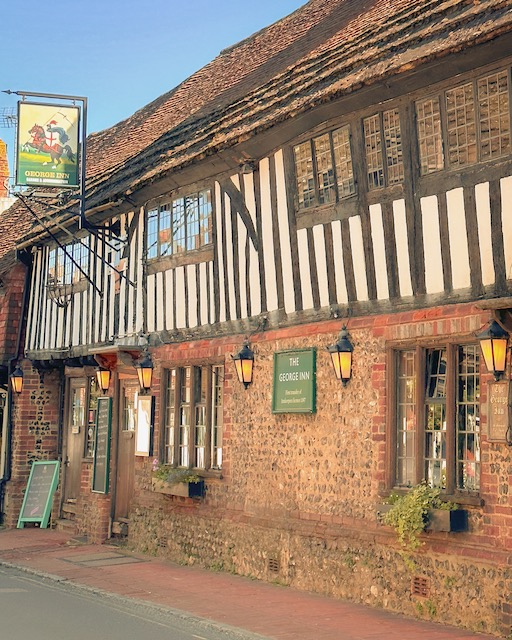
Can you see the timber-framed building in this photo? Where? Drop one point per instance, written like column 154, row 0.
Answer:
column 349, row 165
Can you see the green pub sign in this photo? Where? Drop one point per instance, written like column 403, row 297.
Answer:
column 294, row 382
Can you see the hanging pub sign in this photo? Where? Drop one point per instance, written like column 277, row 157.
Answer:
column 294, row 382
column 498, row 415
column 47, row 145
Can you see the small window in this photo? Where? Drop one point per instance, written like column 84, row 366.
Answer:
column 383, row 148
column 194, row 417
column 181, row 225
column 68, row 264
column 323, row 169
column 424, row 431
column 476, row 122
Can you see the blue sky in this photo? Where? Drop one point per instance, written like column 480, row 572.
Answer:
column 120, row 54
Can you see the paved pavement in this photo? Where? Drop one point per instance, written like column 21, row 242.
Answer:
column 275, row 612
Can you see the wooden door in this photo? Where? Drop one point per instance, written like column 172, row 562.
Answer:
column 75, row 434
column 126, row 447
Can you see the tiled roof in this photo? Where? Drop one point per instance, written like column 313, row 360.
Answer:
column 322, row 51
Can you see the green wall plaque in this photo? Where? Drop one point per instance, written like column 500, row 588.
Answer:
column 37, row 502
column 294, row 382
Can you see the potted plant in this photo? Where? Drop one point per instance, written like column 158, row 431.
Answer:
column 176, row 481
column 418, row 510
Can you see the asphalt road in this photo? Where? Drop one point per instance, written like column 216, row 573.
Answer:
column 36, row 607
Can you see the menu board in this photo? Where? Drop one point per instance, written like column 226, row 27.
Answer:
column 41, row 486
column 100, row 477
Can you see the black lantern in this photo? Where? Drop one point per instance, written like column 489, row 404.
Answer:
column 17, row 380
column 244, row 361
column 103, row 378
column 493, row 342
column 341, row 356
column 145, row 371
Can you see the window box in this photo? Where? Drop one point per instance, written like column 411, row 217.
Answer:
column 455, row 520
column 182, row 489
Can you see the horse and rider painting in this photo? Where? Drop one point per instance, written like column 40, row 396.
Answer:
column 47, row 145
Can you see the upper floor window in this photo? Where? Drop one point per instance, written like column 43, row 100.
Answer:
column 383, row 148
column 323, row 169
column 476, row 118
column 67, row 265
column 194, row 417
column 437, row 417
column 180, row 225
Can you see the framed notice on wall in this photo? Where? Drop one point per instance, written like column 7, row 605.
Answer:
column 498, row 414
column 294, row 388
column 37, row 502
column 144, row 426
column 101, row 466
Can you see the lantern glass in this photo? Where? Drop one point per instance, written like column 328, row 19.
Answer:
column 341, row 357
column 244, row 361
column 493, row 343
column 103, row 378
column 17, row 380
column 145, row 372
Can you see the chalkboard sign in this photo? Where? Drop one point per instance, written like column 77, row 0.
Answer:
column 37, row 502
column 100, row 474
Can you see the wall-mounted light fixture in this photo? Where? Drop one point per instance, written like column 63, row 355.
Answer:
column 103, row 378
column 244, row 361
column 493, row 343
column 17, row 380
column 341, row 357
column 144, row 368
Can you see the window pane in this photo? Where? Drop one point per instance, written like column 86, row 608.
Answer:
column 304, row 175
column 170, row 406
column 494, row 121
column 435, row 420
column 406, row 419
column 184, row 426
column 461, row 125
column 324, row 169
column 152, row 238
column 178, row 226
column 164, row 231
column 468, row 418
column 217, row 417
column 94, row 393
column 428, row 123
column 200, row 395
column 343, row 162
column 373, row 147
column 393, row 142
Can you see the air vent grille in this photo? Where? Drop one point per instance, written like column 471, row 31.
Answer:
column 420, row 586
column 273, row 565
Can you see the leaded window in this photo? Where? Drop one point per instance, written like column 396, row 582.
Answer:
column 437, row 417
column 194, row 417
column 470, row 121
column 180, row 225
column 323, row 169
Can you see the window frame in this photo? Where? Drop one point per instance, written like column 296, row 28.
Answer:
column 385, row 155
column 310, row 142
column 163, row 208
column 62, row 256
column 445, row 149
column 468, row 495
column 172, row 425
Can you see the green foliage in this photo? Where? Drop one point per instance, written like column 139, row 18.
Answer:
column 409, row 514
column 173, row 475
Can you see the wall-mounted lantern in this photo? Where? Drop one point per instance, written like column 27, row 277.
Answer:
column 244, row 361
column 493, row 343
column 17, row 380
column 341, row 356
column 144, row 368
column 103, row 379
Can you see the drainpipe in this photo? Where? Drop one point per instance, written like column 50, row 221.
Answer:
column 27, row 260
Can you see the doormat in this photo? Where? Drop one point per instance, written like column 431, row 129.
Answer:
column 102, row 559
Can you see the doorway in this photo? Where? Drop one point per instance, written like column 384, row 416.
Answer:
column 129, row 390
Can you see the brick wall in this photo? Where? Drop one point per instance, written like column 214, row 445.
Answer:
column 297, row 499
